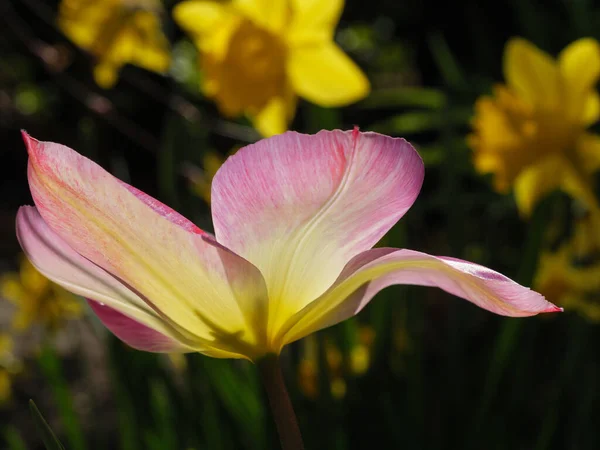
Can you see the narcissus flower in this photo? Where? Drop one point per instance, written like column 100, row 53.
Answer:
column 531, row 133
column 38, row 300
column 117, row 32
column 257, row 56
column 295, row 217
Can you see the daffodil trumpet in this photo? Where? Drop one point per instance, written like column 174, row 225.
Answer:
column 295, row 218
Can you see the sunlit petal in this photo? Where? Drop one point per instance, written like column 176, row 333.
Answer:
column 376, row 269
column 299, row 207
column 51, row 255
column 195, row 283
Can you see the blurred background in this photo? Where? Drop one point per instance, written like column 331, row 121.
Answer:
column 506, row 131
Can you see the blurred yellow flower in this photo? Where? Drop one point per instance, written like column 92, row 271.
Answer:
column 258, row 55
column 38, row 300
column 9, row 367
column 530, row 134
column 570, row 276
column 117, row 32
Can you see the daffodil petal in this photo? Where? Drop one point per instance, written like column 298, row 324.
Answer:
column 537, row 181
column 196, row 284
column 209, row 23
column 314, row 20
column 53, row 257
column 591, row 109
column 378, row 268
column 551, row 173
column 299, row 207
column 580, row 69
column 588, row 150
column 532, row 73
column 274, row 117
column 579, row 64
column 270, row 14
column 325, row 75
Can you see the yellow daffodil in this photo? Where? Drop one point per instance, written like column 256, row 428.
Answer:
column 38, row 300
column 531, row 133
column 117, row 32
column 257, row 56
column 570, row 276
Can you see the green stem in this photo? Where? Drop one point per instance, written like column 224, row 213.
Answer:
column 281, row 406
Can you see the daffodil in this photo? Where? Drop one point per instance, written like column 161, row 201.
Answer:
column 531, row 133
column 117, row 32
column 257, row 56
column 570, row 276
column 295, row 217
column 38, row 300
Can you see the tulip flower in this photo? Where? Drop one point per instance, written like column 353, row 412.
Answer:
column 295, row 219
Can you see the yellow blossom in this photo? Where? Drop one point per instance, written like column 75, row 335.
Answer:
column 257, row 56
column 117, row 32
column 38, row 300
column 531, row 133
column 570, row 276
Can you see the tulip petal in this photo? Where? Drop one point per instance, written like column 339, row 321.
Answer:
column 324, row 75
column 197, row 285
column 52, row 257
column 378, row 268
column 133, row 333
column 532, row 73
column 299, row 207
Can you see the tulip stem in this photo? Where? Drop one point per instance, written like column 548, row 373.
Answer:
column 281, row 405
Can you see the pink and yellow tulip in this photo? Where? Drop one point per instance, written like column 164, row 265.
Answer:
column 295, row 219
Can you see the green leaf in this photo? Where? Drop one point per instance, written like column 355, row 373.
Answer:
column 50, row 440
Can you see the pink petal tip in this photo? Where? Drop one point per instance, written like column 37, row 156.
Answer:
column 28, row 140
